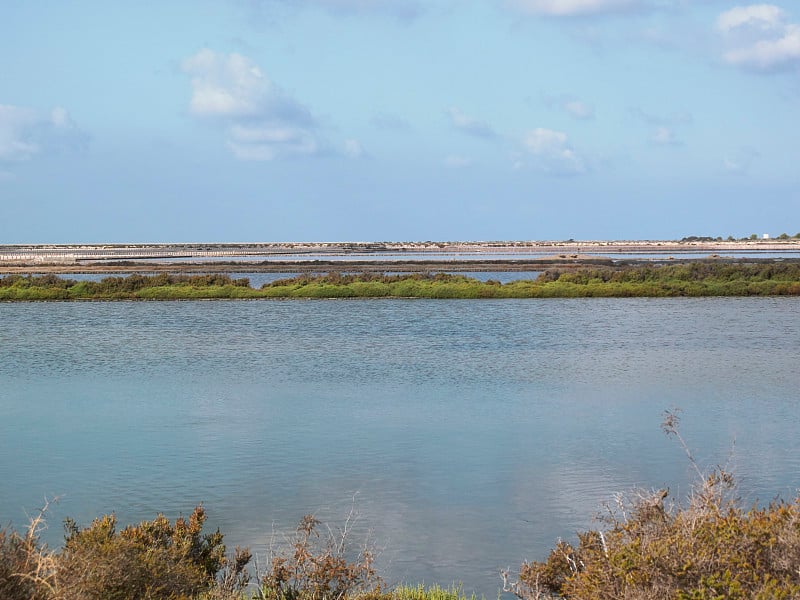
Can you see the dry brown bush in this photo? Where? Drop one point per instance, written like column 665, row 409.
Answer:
column 154, row 560
column 26, row 567
column 315, row 566
column 710, row 547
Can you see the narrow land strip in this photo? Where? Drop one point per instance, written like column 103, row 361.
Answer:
column 709, row 278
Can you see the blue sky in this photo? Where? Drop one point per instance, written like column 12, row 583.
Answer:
column 370, row 120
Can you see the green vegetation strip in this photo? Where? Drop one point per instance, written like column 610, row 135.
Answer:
column 692, row 279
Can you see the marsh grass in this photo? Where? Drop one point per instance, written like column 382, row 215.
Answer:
column 435, row 592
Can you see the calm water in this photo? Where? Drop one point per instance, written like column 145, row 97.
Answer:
column 487, row 255
column 471, row 433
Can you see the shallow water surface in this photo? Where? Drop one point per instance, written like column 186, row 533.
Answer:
column 472, row 434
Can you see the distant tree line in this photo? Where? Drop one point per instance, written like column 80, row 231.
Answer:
column 730, row 238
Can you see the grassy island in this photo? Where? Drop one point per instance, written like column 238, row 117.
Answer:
column 673, row 280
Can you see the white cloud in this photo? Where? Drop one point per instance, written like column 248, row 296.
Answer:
column 739, row 162
column 234, row 86
column 541, row 141
column 759, row 37
column 671, row 120
column 60, row 118
column 552, row 152
column 760, row 16
column 769, row 54
column 227, row 86
column 470, row 125
column 579, row 110
column 353, row 149
column 390, row 121
column 26, row 132
column 573, row 8
column 262, row 121
column 664, row 136
column 402, row 9
column 267, row 141
column 664, row 128
column 571, row 105
column 455, row 161
column 16, row 132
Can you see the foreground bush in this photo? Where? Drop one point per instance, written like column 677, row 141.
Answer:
column 24, row 565
column 316, row 566
column 709, row 548
column 161, row 560
column 155, row 560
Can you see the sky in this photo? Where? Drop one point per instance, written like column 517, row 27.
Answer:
column 390, row 120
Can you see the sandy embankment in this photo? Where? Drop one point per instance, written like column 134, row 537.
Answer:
column 321, row 257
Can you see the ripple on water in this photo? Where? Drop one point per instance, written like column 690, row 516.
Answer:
column 475, row 433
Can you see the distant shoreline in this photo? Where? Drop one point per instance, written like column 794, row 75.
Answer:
column 377, row 256
column 417, row 266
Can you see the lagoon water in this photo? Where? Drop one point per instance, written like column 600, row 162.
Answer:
column 472, row 434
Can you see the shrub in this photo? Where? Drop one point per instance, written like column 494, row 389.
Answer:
column 155, row 559
column 709, row 547
column 26, row 569
column 689, row 279
column 316, row 567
